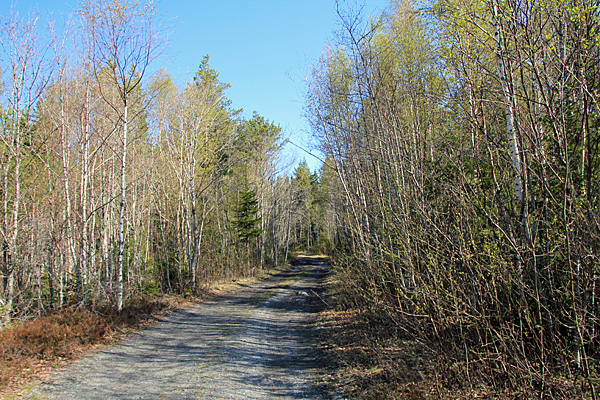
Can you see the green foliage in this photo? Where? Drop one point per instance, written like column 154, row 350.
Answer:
column 258, row 137
column 428, row 121
column 247, row 221
column 206, row 79
column 302, row 175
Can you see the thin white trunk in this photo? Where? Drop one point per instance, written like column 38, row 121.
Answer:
column 199, row 240
column 509, row 108
column 275, row 233
column 7, row 267
column 262, row 225
column 122, row 213
column 289, row 227
column 193, row 249
column 11, row 254
column 66, row 186
column 85, row 173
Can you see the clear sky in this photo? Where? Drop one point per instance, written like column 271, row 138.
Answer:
column 263, row 48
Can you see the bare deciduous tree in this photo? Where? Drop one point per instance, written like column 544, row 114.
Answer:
column 25, row 74
column 125, row 37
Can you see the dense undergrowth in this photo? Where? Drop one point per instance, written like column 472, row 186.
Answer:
column 373, row 354
column 463, row 137
column 373, row 359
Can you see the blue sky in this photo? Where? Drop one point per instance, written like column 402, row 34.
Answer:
column 262, row 48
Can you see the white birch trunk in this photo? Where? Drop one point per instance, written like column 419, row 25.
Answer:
column 66, row 187
column 122, row 212
column 509, row 108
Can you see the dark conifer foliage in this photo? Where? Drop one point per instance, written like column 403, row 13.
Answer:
column 247, row 220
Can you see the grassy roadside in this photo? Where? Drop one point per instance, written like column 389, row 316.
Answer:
column 370, row 359
column 367, row 361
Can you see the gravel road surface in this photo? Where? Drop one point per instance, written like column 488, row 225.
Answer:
column 254, row 342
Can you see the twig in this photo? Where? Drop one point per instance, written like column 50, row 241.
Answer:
column 320, row 298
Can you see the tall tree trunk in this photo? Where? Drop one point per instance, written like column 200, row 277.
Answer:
column 7, row 269
column 287, row 236
column 193, row 239
column 13, row 257
column 122, row 212
column 509, row 105
column 199, row 241
column 262, row 225
column 274, row 226
column 71, row 253
column 84, row 251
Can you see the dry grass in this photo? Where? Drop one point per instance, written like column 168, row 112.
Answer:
column 30, row 350
column 372, row 359
column 370, row 362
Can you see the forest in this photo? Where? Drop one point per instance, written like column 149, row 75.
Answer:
column 117, row 183
column 464, row 136
column 458, row 196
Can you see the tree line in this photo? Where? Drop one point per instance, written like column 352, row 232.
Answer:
column 115, row 181
column 459, row 194
column 463, row 138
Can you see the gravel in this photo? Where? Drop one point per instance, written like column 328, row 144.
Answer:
column 252, row 343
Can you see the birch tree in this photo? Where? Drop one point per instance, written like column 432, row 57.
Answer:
column 25, row 74
column 462, row 152
column 125, row 36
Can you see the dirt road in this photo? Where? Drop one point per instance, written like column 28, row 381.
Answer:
column 252, row 343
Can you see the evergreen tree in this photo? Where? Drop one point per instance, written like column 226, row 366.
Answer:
column 247, row 221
